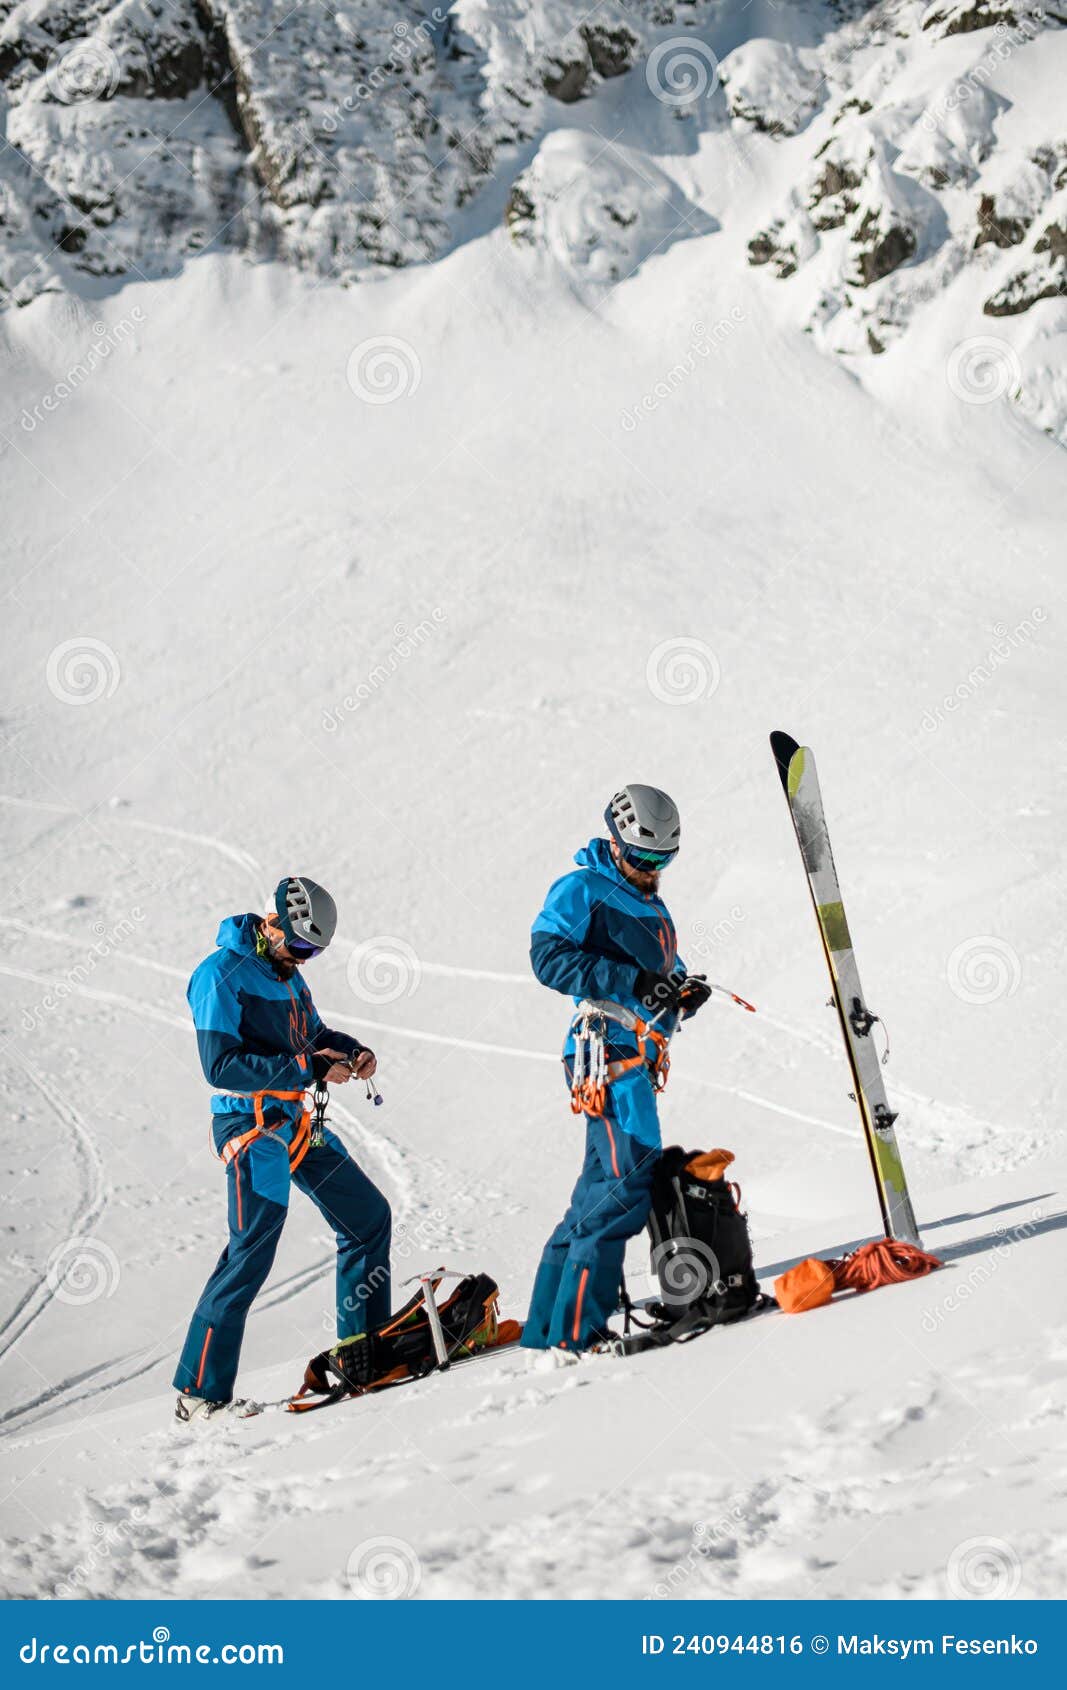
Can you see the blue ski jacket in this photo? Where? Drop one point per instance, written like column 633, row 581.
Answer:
column 596, row 932
column 255, row 1031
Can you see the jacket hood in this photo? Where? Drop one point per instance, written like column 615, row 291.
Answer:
column 238, row 933
column 597, row 856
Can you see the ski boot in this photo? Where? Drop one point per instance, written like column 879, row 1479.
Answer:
column 200, row 1408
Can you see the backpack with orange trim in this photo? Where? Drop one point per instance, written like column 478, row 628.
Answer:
column 701, row 1250
column 403, row 1346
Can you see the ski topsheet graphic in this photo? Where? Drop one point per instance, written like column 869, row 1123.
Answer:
column 796, row 766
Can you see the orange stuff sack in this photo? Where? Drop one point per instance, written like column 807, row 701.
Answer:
column 806, row 1286
column 709, row 1164
column 885, row 1262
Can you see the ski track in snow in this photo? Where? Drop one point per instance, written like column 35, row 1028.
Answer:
column 33, row 1303
column 233, row 853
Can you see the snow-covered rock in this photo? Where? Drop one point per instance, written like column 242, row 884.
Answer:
column 925, row 143
column 772, row 86
column 599, row 210
column 940, row 152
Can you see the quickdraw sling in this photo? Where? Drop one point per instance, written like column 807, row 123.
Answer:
column 592, row 1071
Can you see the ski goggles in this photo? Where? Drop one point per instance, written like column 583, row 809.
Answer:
column 649, row 862
column 302, row 950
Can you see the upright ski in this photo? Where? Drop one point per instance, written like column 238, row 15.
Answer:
column 796, row 766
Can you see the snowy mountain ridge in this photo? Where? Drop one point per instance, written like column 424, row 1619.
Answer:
column 928, row 143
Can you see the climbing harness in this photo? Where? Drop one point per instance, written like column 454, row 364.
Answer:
column 310, row 1133
column 592, row 1071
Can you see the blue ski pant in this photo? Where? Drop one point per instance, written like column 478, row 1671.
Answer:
column 258, row 1181
column 576, row 1290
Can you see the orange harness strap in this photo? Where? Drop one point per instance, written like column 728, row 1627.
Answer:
column 301, row 1141
column 590, row 1096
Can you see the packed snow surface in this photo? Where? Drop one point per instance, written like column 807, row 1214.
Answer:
column 395, row 585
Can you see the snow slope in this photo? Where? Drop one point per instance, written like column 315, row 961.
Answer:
column 596, row 532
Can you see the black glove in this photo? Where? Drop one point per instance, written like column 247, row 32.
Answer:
column 320, row 1066
column 659, row 992
column 695, row 994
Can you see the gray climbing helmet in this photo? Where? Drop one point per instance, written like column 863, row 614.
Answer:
column 644, row 822
column 307, row 913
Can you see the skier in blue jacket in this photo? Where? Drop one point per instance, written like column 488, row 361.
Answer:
column 605, row 934
column 262, row 1046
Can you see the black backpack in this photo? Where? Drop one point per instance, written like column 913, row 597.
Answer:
column 403, row 1347
column 701, row 1251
